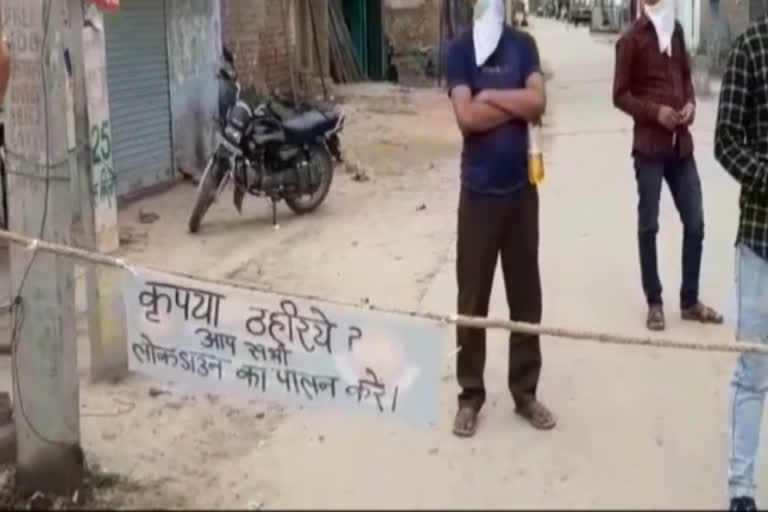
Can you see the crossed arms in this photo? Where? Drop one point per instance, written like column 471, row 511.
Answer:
column 493, row 107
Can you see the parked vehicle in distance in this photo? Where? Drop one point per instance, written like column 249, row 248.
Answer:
column 580, row 12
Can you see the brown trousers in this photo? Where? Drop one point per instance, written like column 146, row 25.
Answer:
column 489, row 226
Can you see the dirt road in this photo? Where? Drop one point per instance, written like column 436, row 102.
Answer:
column 638, row 427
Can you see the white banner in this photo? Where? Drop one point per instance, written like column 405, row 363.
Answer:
column 227, row 340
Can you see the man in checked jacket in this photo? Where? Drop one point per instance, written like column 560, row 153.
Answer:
column 741, row 146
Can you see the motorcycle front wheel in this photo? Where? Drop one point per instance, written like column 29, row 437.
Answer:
column 206, row 193
column 320, row 161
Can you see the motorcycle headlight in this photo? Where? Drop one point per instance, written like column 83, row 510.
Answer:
column 233, row 135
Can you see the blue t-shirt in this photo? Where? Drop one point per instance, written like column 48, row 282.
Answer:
column 494, row 162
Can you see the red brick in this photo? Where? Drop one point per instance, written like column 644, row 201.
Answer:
column 254, row 31
column 414, row 27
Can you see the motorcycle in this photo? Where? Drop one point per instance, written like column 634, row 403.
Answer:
column 288, row 157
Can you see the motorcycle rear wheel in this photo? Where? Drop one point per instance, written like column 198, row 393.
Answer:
column 318, row 156
column 206, row 193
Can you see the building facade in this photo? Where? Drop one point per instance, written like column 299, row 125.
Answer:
column 722, row 22
column 688, row 13
column 413, row 24
column 162, row 58
column 272, row 38
column 162, row 62
column 256, row 32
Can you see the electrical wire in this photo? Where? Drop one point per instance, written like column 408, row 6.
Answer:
column 34, row 163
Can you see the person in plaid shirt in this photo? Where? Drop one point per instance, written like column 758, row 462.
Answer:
column 741, row 147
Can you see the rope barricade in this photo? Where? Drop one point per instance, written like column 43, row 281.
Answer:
column 33, row 244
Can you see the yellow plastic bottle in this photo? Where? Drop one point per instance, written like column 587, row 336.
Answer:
column 535, row 157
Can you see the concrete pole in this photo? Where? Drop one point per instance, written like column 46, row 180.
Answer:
column 97, row 218
column 84, row 227
column 46, row 395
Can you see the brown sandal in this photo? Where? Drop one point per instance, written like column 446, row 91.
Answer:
column 537, row 415
column 655, row 319
column 465, row 424
column 703, row 314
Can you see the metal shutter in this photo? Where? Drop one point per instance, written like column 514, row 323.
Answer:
column 139, row 94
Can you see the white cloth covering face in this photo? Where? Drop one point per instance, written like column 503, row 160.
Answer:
column 662, row 15
column 487, row 28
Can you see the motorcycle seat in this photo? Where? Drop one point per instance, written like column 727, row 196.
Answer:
column 309, row 124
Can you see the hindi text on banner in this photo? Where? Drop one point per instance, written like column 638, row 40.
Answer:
column 221, row 339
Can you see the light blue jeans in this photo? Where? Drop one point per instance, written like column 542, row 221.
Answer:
column 750, row 379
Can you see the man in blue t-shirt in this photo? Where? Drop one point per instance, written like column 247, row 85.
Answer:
column 499, row 208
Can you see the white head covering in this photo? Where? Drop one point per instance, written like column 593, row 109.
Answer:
column 487, row 28
column 662, row 15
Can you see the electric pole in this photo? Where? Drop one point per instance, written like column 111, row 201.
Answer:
column 39, row 141
column 96, row 220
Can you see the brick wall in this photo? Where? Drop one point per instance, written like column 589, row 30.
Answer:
column 254, row 31
column 412, row 24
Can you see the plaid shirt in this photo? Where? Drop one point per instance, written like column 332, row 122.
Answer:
column 741, row 134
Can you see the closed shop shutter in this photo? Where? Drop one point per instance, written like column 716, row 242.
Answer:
column 139, row 97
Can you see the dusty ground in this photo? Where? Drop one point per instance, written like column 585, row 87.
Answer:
column 638, row 427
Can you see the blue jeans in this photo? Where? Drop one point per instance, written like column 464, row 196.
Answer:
column 682, row 178
column 750, row 380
